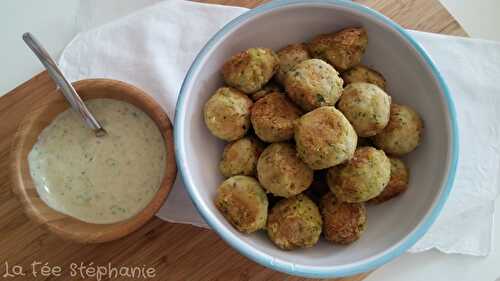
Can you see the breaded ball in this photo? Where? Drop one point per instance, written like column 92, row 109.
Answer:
column 289, row 57
column 240, row 157
column 267, row 89
column 250, row 70
column 324, row 138
column 361, row 73
column 313, row 83
column 294, row 223
column 398, row 183
column 343, row 223
column 361, row 178
column 342, row 49
column 366, row 106
column 403, row 133
column 281, row 172
column 243, row 203
column 273, row 117
column 227, row 114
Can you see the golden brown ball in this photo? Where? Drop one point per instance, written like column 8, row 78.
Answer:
column 313, row 83
column 289, row 57
column 273, row 117
column 403, row 133
column 342, row 49
column 227, row 114
column 294, row 223
column 400, row 176
column 240, row 157
column 366, row 106
column 361, row 73
column 324, row 138
column 281, row 172
column 343, row 223
column 243, row 202
column 251, row 69
column 362, row 178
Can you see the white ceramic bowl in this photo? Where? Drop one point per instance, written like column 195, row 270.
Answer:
column 412, row 78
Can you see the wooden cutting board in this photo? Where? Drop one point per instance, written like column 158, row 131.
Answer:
column 175, row 251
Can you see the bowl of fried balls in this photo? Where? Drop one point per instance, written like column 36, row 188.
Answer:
column 316, row 137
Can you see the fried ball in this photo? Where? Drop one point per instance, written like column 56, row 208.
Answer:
column 343, row 223
column 267, row 89
column 313, row 83
column 403, row 133
column 342, row 49
column 251, row 69
column 273, row 117
column 294, row 223
column 281, row 172
column 367, row 107
column 289, row 57
column 397, row 184
column 362, row 73
column 324, row 138
column 240, row 157
column 361, row 178
column 243, row 202
column 227, row 114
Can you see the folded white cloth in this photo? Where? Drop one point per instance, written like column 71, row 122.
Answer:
column 154, row 47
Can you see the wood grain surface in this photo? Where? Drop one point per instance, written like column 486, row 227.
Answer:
column 177, row 252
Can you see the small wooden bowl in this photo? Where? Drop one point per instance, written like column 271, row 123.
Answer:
column 26, row 136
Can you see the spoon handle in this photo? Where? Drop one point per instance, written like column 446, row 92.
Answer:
column 66, row 88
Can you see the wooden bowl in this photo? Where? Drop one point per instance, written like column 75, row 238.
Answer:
column 26, row 136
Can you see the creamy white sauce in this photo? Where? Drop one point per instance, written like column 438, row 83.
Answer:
column 99, row 180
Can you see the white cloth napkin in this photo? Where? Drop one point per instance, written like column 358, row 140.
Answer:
column 154, row 47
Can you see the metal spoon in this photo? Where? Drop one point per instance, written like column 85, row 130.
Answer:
column 66, row 88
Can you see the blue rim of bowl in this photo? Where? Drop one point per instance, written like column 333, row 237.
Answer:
column 284, row 266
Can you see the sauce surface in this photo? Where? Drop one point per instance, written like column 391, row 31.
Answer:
column 99, row 180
